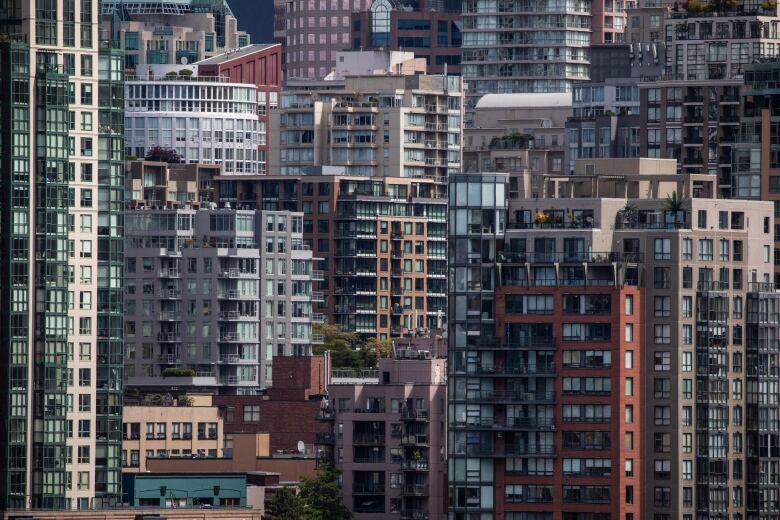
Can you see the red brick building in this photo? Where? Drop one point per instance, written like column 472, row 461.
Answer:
column 287, row 412
column 261, row 65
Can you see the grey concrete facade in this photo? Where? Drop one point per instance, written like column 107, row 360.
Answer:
column 220, row 292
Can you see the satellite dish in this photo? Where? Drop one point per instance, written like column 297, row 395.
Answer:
column 301, row 447
column 184, row 60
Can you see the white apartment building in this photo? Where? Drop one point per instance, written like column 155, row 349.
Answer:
column 206, row 120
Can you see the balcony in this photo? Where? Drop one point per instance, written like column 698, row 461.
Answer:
column 235, row 273
column 169, row 316
column 168, row 337
column 325, row 438
column 326, row 414
column 415, row 490
column 369, row 460
column 231, row 294
column 514, row 370
column 414, row 514
column 605, row 257
column 317, row 296
column 234, row 315
column 231, row 337
column 529, row 449
column 368, row 488
column 318, row 318
column 170, row 273
column 414, row 440
column 317, row 339
column 511, row 397
column 419, row 464
column 317, row 276
column 415, row 415
column 368, row 439
column 170, row 294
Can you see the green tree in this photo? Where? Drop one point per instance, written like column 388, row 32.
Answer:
column 320, row 496
column 342, row 346
column 285, row 505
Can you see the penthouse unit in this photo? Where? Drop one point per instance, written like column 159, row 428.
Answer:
column 61, row 174
column 204, row 119
column 212, row 296
column 518, row 133
column 756, row 160
column 603, row 344
column 155, row 184
column 381, row 242
column 387, row 438
column 187, row 427
column 374, row 126
column 425, row 27
column 172, row 31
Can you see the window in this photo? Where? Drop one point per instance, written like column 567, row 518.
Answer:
column 663, row 306
column 252, row 414
column 629, row 390
column 687, row 249
column 662, row 334
column 662, row 388
column 662, row 415
column 686, row 309
column 629, row 308
column 662, row 361
column 629, row 332
column 663, row 249
column 705, row 249
column 86, row 94
column 687, row 361
column 701, row 219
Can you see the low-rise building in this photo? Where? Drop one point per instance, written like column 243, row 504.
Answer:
column 175, row 490
column 164, row 427
column 286, row 412
column 388, row 438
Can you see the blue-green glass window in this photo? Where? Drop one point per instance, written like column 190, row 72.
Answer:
column 209, row 42
column 131, row 41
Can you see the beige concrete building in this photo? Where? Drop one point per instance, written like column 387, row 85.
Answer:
column 385, row 125
column 61, row 258
column 518, row 133
column 189, row 427
column 701, row 328
column 151, row 184
column 167, row 33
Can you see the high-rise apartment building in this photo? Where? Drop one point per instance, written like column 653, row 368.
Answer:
column 61, row 104
column 513, row 46
column 692, row 113
column 380, row 243
column 387, row 437
column 605, row 118
column 609, row 348
column 428, row 28
column 212, row 296
column 314, row 32
column 171, row 32
column 756, row 162
column 204, row 119
column 371, row 125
